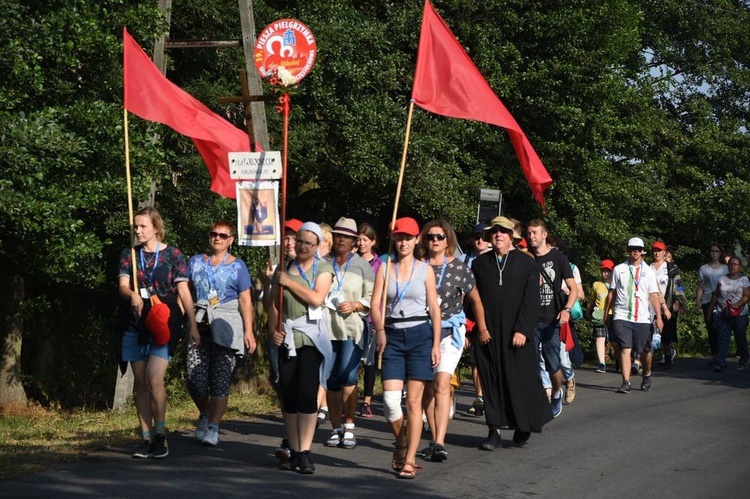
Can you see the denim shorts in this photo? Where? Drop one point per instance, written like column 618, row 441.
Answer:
column 346, row 357
column 632, row 335
column 133, row 352
column 548, row 336
column 408, row 353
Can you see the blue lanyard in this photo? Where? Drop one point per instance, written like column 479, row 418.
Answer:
column 304, row 276
column 442, row 273
column 400, row 295
column 150, row 276
column 210, row 271
column 336, row 270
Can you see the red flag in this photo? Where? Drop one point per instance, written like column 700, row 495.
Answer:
column 447, row 82
column 151, row 96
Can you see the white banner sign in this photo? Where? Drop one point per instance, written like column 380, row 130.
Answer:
column 256, row 166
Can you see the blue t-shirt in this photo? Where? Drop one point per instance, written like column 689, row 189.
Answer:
column 229, row 279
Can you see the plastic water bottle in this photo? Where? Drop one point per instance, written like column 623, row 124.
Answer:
column 656, row 339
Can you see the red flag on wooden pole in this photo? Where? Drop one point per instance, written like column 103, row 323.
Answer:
column 151, row 96
column 447, row 82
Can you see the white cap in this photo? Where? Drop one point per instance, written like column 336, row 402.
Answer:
column 635, row 242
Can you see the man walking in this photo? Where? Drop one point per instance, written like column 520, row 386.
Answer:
column 554, row 311
column 633, row 289
column 508, row 285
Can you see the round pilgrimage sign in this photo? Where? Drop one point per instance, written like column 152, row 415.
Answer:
column 285, row 48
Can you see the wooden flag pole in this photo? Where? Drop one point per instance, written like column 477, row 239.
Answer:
column 384, row 294
column 130, row 201
column 284, row 109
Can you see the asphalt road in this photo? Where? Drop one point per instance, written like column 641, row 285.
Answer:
column 688, row 437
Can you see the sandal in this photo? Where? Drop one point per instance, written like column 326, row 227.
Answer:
column 399, row 458
column 409, row 474
column 399, row 455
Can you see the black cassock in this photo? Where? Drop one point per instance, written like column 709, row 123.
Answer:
column 513, row 394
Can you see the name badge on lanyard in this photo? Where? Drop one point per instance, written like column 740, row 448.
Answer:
column 148, row 290
column 213, row 295
column 313, row 313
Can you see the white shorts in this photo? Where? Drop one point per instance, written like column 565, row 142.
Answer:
column 450, row 355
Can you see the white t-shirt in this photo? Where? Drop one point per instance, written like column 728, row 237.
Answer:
column 632, row 286
column 709, row 277
column 731, row 290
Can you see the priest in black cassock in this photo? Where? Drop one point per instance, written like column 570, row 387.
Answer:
column 508, row 285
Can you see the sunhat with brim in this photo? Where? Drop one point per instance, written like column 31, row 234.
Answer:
column 500, row 222
column 346, row 227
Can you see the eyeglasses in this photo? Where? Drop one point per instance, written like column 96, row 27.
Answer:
column 220, row 235
column 306, row 244
column 477, row 237
column 432, row 237
column 733, row 263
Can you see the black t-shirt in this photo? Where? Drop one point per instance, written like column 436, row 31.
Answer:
column 557, row 267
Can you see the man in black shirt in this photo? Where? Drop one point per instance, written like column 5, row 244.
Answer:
column 555, row 309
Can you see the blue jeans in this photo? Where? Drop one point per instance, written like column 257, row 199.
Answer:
column 724, row 327
column 346, row 357
column 565, row 365
column 547, row 344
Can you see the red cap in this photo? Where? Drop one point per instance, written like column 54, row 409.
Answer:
column 607, row 264
column 522, row 243
column 293, row 224
column 406, row 225
column 658, row 245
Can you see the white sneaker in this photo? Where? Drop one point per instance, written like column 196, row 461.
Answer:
column 211, row 437
column 200, row 429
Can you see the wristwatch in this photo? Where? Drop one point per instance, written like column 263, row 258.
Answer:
column 568, row 309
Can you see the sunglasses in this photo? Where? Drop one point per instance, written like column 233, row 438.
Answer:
column 432, row 237
column 220, row 235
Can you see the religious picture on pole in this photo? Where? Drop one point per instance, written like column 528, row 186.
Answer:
column 257, row 213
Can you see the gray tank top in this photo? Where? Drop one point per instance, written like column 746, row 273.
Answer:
column 413, row 298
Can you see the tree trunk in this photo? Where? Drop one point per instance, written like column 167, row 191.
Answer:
column 11, row 337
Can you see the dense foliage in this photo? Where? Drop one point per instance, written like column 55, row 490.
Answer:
column 638, row 108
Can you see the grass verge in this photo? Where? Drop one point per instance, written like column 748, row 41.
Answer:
column 33, row 438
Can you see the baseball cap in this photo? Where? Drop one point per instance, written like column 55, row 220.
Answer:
column 293, row 224
column 635, row 242
column 658, row 245
column 406, row 225
column 607, row 264
column 478, row 228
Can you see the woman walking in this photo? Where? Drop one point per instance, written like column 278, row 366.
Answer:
column 454, row 281
column 221, row 284
column 305, row 353
column 708, row 276
column 148, row 343
column 367, row 242
column 408, row 338
column 729, row 303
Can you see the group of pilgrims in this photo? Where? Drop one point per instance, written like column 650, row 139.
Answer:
column 409, row 314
